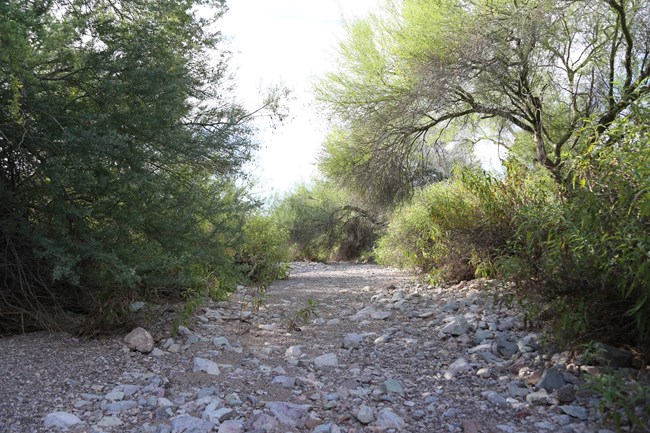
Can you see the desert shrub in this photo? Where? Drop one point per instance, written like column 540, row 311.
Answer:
column 590, row 246
column 449, row 229
column 326, row 223
column 264, row 254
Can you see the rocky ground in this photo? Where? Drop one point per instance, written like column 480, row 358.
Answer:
column 383, row 354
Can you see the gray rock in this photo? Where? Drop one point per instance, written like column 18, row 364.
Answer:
column 140, row 340
column 388, row 419
column 206, row 366
column 289, row 414
column 551, row 380
column 505, row 348
column 451, row 306
column 381, row 315
column 115, row 395
column 392, row 386
column 121, row 406
column 134, row 307
column 190, row 424
column 365, row 414
column 157, row 352
column 110, row 421
column 517, row 391
column 231, row 426
column 566, row 394
column 286, row 381
column 537, row 398
column 575, row 411
column 613, row 357
column 496, row 399
column 482, row 334
column 62, row 420
column 506, row 324
column 326, row 360
column 484, row 373
column 458, row 366
column 458, row 326
column 219, row 415
column 220, row 341
column 322, row 428
column 352, row 341
column 293, row 352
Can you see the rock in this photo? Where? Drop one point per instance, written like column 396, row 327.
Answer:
column 114, row 395
column 496, row 399
column 140, row 340
column 220, row 341
column 365, row 415
column 289, row 414
column 458, row 326
column 157, row 352
column 327, row 360
column 286, row 381
column 190, row 424
column 506, row 324
column 62, row 420
column 218, row 415
column 551, row 380
column 482, row 334
column 515, row 390
column 484, row 373
column 391, row 386
column 388, row 419
column 352, row 341
column 612, row 356
column 566, row 394
column 381, row 315
column 121, row 406
column 206, row 366
column 505, row 348
column 134, row 307
column 110, row 421
column 458, row 366
column 537, row 398
column 231, row 427
column 293, row 352
column 575, row 411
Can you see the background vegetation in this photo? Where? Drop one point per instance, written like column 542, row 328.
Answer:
column 120, row 145
column 562, row 88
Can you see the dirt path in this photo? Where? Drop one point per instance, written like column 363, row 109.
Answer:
column 383, row 354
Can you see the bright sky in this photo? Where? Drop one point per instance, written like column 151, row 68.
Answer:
column 290, row 42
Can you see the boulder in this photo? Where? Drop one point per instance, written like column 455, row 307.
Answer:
column 140, row 340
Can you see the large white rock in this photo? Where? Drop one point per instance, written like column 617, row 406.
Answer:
column 327, row 360
column 63, row 420
column 206, row 366
column 139, row 339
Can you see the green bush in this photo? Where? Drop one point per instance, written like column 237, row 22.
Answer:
column 264, row 254
column 324, row 223
column 449, row 230
column 590, row 244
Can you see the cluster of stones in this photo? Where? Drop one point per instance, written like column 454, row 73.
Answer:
column 411, row 358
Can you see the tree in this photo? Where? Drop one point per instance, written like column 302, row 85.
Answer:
column 119, row 146
column 543, row 68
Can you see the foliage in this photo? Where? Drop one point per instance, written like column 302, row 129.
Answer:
column 623, row 402
column 325, row 223
column 119, row 146
column 591, row 246
column 424, row 74
column 264, row 254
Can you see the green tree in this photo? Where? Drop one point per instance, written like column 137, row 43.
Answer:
column 421, row 68
column 119, row 146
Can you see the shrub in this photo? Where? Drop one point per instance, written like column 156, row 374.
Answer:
column 324, row 223
column 264, row 254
